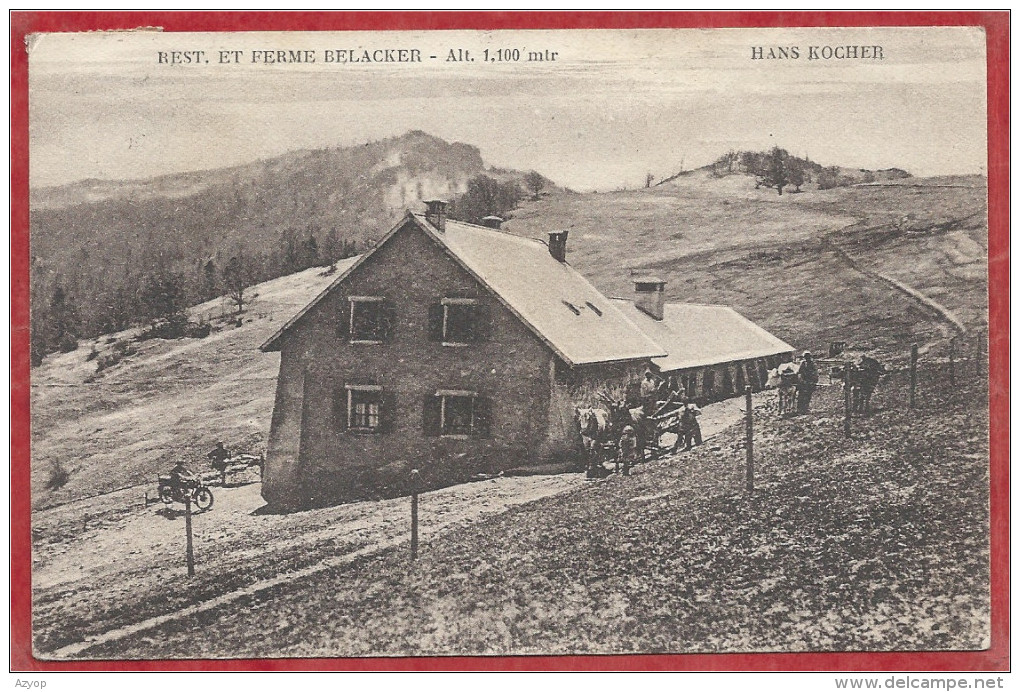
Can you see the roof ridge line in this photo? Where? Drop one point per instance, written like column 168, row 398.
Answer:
column 697, row 305
column 488, row 228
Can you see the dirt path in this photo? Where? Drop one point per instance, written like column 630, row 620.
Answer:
column 931, row 305
column 141, row 552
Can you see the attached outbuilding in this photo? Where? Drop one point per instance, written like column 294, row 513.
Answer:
column 714, row 352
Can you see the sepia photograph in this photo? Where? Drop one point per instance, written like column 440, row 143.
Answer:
column 515, row 342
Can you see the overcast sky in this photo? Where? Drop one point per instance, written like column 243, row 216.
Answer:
column 613, row 106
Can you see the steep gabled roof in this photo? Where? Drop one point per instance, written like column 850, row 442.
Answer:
column 699, row 335
column 551, row 298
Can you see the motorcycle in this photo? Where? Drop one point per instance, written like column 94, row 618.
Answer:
column 195, row 490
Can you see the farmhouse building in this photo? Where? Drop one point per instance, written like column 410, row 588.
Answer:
column 459, row 349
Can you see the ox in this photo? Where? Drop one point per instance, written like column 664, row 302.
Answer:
column 595, row 428
column 785, row 378
column 602, row 426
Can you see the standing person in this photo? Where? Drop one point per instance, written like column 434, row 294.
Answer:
column 690, row 429
column 649, row 393
column 807, row 379
column 628, row 449
column 219, row 457
column 689, row 422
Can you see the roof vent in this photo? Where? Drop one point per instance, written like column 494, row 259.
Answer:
column 558, row 246
column 436, row 213
column 492, row 222
column 650, row 296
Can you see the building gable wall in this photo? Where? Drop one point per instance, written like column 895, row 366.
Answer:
column 511, row 368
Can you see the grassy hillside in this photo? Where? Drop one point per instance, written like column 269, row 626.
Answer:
column 873, row 543
column 782, row 260
column 169, row 400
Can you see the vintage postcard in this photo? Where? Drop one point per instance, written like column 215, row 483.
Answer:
column 512, row 342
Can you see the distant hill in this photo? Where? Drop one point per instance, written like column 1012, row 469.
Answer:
column 98, row 238
column 750, row 164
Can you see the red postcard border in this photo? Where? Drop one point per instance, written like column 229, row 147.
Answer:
column 996, row 25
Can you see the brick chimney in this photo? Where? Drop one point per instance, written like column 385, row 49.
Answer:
column 650, row 296
column 492, row 222
column 558, row 246
column 436, row 213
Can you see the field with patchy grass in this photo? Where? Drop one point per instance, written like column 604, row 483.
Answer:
column 165, row 399
column 97, row 576
column 782, row 260
column 873, row 543
column 779, row 260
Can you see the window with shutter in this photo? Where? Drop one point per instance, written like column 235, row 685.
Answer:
column 464, row 321
column 482, row 416
column 437, row 313
column 365, row 408
column 370, row 319
column 432, row 415
column 388, row 316
column 461, row 413
column 340, row 409
column 458, row 415
column 343, row 323
column 483, row 323
column 387, row 411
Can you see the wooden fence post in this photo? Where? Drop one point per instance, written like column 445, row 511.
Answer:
column 187, row 533
column 913, row 375
column 414, row 514
column 750, row 440
column 978, row 355
column 952, row 362
column 847, row 398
